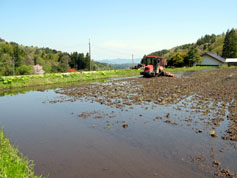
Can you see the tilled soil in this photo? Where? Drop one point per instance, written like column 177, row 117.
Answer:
column 209, row 90
column 212, row 92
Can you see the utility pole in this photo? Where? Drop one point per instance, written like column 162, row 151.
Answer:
column 13, row 64
column 90, row 53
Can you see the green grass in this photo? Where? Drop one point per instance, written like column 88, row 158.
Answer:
column 47, row 79
column 57, row 78
column 12, row 163
column 194, row 68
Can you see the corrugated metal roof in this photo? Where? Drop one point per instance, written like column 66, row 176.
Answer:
column 231, row 60
column 215, row 56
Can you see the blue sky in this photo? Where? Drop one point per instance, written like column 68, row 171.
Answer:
column 117, row 29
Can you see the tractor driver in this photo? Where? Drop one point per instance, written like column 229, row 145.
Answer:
column 162, row 73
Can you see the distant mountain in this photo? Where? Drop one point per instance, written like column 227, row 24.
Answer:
column 122, row 66
column 120, row 61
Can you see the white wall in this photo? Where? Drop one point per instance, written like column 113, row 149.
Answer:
column 206, row 60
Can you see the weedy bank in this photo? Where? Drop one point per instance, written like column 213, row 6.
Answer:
column 47, row 79
column 196, row 68
column 12, row 162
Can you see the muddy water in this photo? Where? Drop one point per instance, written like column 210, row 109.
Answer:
column 110, row 142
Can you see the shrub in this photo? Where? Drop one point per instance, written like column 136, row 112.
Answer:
column 24, row 70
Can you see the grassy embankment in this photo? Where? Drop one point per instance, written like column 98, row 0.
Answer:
column 12, row 163
column 194, row 68
column 47, row 79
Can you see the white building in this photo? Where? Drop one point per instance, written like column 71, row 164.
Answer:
column 38, row 69
column 211, row 59
column 231, row 61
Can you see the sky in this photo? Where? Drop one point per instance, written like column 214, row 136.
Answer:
column 116, row 28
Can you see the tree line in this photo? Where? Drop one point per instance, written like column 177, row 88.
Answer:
column 224, row 45
column 18, row 59
column 180, row 59
column 230, row 44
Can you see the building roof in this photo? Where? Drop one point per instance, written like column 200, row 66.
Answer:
column 231, row 60
column 71, row 70
column 214, row 56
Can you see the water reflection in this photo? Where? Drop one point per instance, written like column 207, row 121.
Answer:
column 23, row 90
column 84, row 138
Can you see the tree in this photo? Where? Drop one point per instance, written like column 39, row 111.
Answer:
column 73, row 60
column 143, row 61
column 226, row 46
column 177, row 59
column 230, row 44
column 159, row 53
column 6, row 65
column 81, row 61
column 233, row 44
column 206, row 39
column 63, row 63
column 192, row 57
column 87, row 61
column 25, row 70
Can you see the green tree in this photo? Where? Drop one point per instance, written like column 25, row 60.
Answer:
column 81, row 61
column 177, row 59
column 87, row 61
column 226, row 46
column 6, row 65
column 206, row 39
column 230, row 44
column 74, row 57
column 25, row 70
column 192, row 57
column 143, row 61
column 63, row 63
column 159, row 53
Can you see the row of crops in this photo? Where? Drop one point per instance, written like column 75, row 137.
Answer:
column 25, row 80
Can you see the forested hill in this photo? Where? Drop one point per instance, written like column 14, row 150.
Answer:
column 208, row 43
column 19, row 59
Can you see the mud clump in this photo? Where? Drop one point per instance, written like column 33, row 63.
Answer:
column 210, row 91
column 125, row 126
column 211, row 96
column 213, row 133
column 225, row 173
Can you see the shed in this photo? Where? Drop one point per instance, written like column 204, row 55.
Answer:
column 212, row 59
column 231, row 61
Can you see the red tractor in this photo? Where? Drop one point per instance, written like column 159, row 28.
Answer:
column 154, row 66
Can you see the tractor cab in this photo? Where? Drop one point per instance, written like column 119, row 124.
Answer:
column 152, row 64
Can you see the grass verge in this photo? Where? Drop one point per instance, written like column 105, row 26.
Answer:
column 47, row 79
column 186, row 69
column 194, row 68
column 57, row 78
column 12, row 163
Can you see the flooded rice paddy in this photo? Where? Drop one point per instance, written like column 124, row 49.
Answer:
column 135, row 127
